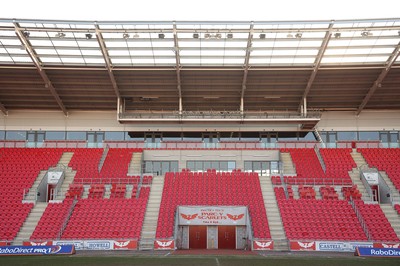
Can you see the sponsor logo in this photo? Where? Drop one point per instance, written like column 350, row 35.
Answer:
column 235, row 217
column 306, row 245
column 98, row 245
column 34, row 243
column 383, row 252
column 189, row 216
column 36, row 250
column 384, row 245
column 330, row 246
column 164, row 244
column 262, row 245
column 78, row 244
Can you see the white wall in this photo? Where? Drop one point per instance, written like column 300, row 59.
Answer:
column 107, row 121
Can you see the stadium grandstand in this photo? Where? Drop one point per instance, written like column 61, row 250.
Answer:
column 164, row 135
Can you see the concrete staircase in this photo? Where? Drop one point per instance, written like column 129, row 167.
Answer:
column 355, row 173
column 288, row 166
column 32, row 191
column 135, row 166
column 30, row 223
column 69, row 174
column 151, row 216
column 392, row 216
column 273, row 214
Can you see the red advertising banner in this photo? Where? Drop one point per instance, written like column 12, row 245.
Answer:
column 212, row 215
column 164, row 244
column 302, row 245
column 386, row 245
column 263, row 245
column 37, row 243
column 125, row 244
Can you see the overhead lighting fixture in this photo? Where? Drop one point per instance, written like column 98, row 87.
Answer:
column 262, row 36
column 26, row 34
column 229, row 36
column 299, row 35
column 125, row 35
column 136, row 36
column 88, row 36
column 337, row 35
column 161, row 35
column 195, row 35
column 60, row 34
column 366, row 33
column 289, row 35
column 211, row 97
column 208, row 36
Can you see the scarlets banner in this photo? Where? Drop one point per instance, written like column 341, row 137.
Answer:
column 163, row 244
column 263, row 245
column 212, row 215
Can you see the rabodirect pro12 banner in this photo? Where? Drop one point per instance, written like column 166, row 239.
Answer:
column 37, row 250
column 378, row 252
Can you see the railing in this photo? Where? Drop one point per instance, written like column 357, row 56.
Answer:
column 318, row 181
column 195, row 144
column 364, row 169
column 92, row 180
column 360, row 218
column 321, row 160
column 66, row 219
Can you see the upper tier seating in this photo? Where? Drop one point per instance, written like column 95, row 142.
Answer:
column 384, row 160
column 19, row 168
column 311, row 219
column 98, row 218
column 309, row 170
column 210, row 188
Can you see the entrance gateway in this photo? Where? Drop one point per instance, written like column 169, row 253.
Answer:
column 213, row 227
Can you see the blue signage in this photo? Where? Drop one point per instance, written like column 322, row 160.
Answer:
column 378, row 252
column 37, row 250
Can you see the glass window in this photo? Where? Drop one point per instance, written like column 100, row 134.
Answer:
column 215, row 165
column 127, row 137
column 223, row 166
column 198, row 166
column 207, row 165
column 231, row 166
column 174, row 166
column 2, row 134
column 323, row 136
column 248, row 167
column 309, row 137
column 384, row 137
column 148, row 168
column 157, row 168
column 190, row 165
column 347, row 135
column 16, row 135
column 76, row 135
column 114, row 135
column 55, row 135
column 368, row 135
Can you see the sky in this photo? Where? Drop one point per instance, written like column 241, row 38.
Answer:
column 200, row 10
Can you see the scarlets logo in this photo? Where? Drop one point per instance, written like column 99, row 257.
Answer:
column 390, row 246
column 235, row 217
column 189, row 216
column 164, row 244
column 263, row 245
column 129, row 244
column 306, row 245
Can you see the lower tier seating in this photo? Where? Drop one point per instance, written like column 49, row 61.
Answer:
column 97, row 218
column 311, row 219
column 210, row 188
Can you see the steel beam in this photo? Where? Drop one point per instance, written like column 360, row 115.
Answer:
column 39, row 67
column 3, row 109
column 378, row 82
column 178, row 68
column 107, row 59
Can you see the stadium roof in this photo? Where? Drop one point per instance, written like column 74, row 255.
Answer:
column 200, row 65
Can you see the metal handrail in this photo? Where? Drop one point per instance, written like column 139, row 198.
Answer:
column 360, row 218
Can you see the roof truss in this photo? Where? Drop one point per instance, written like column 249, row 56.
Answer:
column 246, row 67
column 39, row 68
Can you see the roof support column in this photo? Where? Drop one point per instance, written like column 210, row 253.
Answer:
column 3, row 109
column 178, row 68
column 246, row 67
